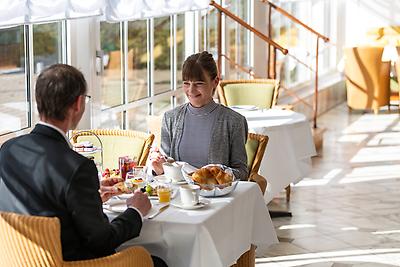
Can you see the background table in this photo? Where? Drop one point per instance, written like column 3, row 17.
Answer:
column 287, row 157
column 216, row 235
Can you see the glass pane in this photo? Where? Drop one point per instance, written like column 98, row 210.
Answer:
column 161, row 106
column 111, row 87
column 137, row 60
column 212, row 33
column 162, row 55
column 202, row 28
column 46, row 45
column 238, row 40
column 13, row 101
column 180, row 49
column 110, row 120
column 137, row 118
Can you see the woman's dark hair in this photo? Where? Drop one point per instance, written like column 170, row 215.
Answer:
column 57, row 88
column 197, row 65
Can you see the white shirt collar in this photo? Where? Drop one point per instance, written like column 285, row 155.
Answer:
column 58, row 130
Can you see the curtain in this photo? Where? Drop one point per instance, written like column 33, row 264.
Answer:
column 17, row 12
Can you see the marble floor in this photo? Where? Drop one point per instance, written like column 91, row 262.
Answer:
column 346, row 212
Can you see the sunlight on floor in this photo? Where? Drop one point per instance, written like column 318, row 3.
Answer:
column 317, row 182
column 371, row 173
column 381, row 256
column 369, row 124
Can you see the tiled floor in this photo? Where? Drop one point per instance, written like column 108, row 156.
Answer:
column 347, row 211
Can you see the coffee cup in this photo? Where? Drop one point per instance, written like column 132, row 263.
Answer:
column 173, row 171
column 189, row 194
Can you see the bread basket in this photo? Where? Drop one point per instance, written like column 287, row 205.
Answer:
column 210, row 190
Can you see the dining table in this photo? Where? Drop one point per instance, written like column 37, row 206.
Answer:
column 287, row 158
column 216, row 234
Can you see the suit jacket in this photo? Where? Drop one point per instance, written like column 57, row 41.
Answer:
column 228, row 138
column 40, row 175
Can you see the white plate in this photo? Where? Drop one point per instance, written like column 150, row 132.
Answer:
column 177, row 203
column 121, row 207
column 245, row 107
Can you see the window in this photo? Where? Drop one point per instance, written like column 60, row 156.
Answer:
column 237, row 40
column 111, row 82
column 162, row 55
column 17, row 103
column 143, row 62
column 14, row 105
column 137, row 60
column 300, row 42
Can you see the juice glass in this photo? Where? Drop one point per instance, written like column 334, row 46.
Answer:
column 164, row 193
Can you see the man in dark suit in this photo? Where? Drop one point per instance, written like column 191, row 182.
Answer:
column 41, row 175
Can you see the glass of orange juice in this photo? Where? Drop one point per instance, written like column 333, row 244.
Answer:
column 164, row 193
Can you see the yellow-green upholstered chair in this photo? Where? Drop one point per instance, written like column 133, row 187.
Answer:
column 255, row 148
column 262, row 93
column 117, row 143
column 32, row 241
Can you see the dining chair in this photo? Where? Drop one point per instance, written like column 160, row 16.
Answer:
column 117, row 143
column 32, row 241
column 367, row 78
column 262, row 93
column 255, row 149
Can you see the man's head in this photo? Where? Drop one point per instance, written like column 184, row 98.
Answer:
column 60, row 94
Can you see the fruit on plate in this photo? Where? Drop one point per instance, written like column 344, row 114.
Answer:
column 114, row 173
column 122, row 188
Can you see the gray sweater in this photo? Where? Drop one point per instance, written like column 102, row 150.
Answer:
column 228, row 138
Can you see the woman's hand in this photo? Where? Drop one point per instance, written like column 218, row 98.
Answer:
column 107, row 189
column 157, row 159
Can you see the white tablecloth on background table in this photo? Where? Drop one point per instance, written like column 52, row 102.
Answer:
column 215, row 235
column 287, row 157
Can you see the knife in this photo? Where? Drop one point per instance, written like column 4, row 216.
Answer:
column 158, row 212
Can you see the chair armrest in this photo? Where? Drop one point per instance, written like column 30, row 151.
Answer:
column 133, row 256
column 261, row 181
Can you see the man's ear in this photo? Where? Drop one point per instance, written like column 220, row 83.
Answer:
column 77, row 105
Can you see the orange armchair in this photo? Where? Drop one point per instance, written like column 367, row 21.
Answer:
column 367, row 78
column 32, row 241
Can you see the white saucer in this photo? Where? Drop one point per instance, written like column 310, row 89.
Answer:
column 179, row 182
column 245, row 107
column 177, row 203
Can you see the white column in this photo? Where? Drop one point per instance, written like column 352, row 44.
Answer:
column 84, row 40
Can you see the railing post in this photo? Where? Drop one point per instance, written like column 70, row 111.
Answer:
column 315, row 107
column 269, row 46
column 219, row 47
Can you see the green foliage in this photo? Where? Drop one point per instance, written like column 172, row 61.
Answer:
column 45, row 39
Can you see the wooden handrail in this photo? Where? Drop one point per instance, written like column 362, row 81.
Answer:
column 291, row 17
column 247, row 26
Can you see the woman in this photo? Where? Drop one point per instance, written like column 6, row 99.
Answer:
column 202, row 132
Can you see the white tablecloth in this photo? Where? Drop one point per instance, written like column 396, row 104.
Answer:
column 287, row 158
column 215, row 235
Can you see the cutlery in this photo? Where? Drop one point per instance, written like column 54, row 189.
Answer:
column 158, row 212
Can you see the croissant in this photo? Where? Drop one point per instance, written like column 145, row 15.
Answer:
column 212, row 175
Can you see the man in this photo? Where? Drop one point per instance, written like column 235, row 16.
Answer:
column 41, row 175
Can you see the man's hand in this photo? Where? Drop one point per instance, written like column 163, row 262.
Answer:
column 139, row 201
column 157, row 159
column 107, row 189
